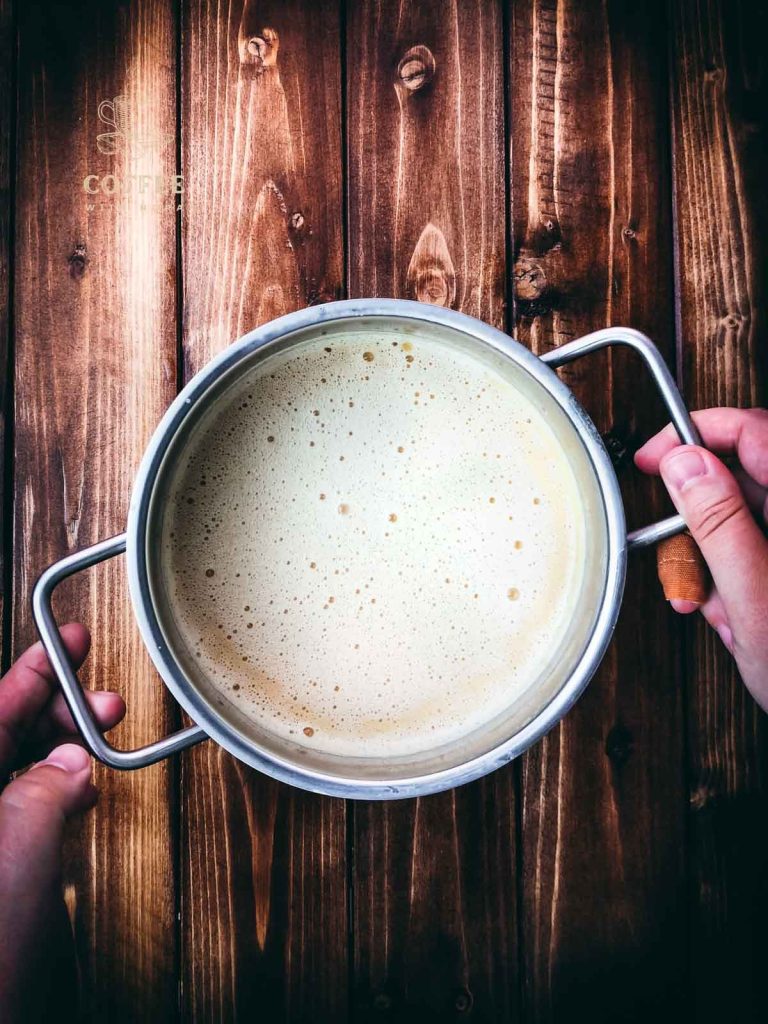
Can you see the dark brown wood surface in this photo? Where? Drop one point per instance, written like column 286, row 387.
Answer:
column 719, row 103
column 7, row 147
column 550, row 166
column 95, row 366
column 603, row 812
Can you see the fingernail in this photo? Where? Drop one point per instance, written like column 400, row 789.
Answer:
column 69, row 757
column 680, row 468
column 683, row 606
column 725, row 635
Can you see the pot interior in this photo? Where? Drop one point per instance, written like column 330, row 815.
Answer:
column 215, row 706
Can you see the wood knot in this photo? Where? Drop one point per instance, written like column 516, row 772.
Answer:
column 298, row 229
column 530, row 280
column 416, row 68
column 78, row 260
column 382, row 1002
column 629, row 233
column 431, row 277
column 260, row 51
column 545, row 237
column 702, row 797
column 549, row 236
column 733, row 321
column 619, row 744
column 463, row 1001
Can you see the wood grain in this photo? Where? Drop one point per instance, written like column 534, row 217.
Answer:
column 603, row 910
column 434, row 913
column 618, row 872
column 426, row 173
column 720, row 131
column 7, row 161
column 263, row 866
column 95, row 368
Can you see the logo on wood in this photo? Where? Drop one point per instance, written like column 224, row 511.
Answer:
column 137, row 146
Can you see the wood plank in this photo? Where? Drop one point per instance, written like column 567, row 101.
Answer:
column 602, row 818
column 434, row 913
column 95, row 369
column 7, row 159
column 263, row 865
column 720, row 124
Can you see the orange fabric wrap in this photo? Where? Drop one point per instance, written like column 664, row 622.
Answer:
column 682, row 569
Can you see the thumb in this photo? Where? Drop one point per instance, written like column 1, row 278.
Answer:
column 708, row 497
column 33, row 810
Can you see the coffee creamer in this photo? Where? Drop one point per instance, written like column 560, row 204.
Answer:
column 373, row 544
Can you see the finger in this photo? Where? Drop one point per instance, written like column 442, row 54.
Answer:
column 740, row 432
column 108, row 709
column 709, row 498
column 27, row 686
column 757, row 496
column 712, row 609
column 715, row 614
column 33, row 811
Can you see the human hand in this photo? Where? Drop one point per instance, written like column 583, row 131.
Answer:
column 726, row 512
column 37, row 965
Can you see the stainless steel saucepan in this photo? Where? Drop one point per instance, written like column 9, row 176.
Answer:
column 487, row 748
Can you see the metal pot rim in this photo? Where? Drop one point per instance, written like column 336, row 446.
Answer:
column 207, row 717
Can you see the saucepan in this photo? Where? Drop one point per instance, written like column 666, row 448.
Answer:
column 528, row 717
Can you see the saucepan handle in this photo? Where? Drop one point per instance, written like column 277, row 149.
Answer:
column 672, row 399
column 70, row 685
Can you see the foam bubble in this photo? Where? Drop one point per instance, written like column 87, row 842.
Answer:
column 362, row 574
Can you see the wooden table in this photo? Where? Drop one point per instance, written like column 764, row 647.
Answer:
column 550, row 166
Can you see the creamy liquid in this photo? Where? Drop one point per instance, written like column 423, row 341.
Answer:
column 372, row 545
